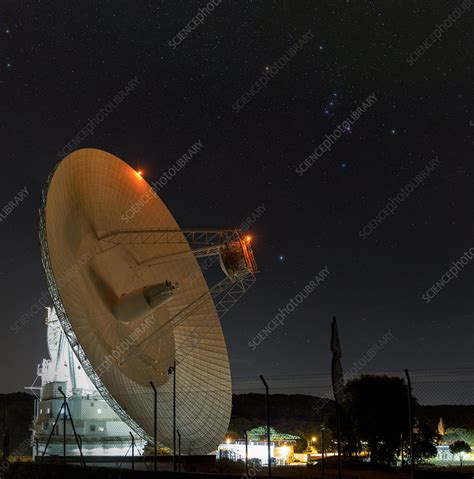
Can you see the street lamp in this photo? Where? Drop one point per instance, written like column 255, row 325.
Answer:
column 267, row 397
column 322, row 452
column 172, row 370
column 155, row 415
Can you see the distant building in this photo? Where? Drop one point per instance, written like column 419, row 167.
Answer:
column 444, row 454
column 102, row 432
column 281, row 448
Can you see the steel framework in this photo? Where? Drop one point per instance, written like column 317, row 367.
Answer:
column 198, row 236
column 208, row 242
column 205, row 242
column 225, row 294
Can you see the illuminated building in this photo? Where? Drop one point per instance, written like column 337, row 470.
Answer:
column 281, row 448
column 102, row 432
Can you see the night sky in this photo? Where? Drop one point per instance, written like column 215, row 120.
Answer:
column 62, row 62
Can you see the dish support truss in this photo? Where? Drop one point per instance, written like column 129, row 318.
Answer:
column 204, row 243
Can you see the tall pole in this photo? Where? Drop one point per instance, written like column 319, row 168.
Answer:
column 6, row 436
column 246, row 453
column 4, row 421
column 322, row 452
column 133, row 451
column 154, row 425
column 338, row 420
column 64, row 433
column 174, row 415
column 179, row 450
column 337, row 377
column 172, row 370
column 410, row 426
column 268, row 425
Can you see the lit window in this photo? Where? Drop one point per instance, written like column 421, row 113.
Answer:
column 99, row 411
column 100, row 429
column 41, row 411
column 47, row 411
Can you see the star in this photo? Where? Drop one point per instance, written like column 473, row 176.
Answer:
column 9, row 65
column 281, row 258
column 344, row 165
column 393, row 131
column 7, row 31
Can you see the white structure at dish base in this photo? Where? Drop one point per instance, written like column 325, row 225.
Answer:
column 102, row 432
column 235, row 451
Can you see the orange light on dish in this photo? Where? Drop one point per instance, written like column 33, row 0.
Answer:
column 139, row 173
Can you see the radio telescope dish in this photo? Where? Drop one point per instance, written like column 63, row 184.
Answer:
column 133, row 302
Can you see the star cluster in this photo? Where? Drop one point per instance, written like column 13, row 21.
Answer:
column 62, row 64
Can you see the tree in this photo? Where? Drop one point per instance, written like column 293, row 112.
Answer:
column 459, row 448
column 458, row 434
column 376, row 408
column 423, row 442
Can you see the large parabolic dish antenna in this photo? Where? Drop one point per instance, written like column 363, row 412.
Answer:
column 132, row 299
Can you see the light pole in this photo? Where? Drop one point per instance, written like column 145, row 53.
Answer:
column 5, row 453
column 172, row 370
column 133, row 451
column 268, row 425
column 410, row 426
column 154, row 424
column 179, row 450
column 322, row 452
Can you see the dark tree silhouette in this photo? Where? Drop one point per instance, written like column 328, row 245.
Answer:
column 424, row 440
column 376, row 409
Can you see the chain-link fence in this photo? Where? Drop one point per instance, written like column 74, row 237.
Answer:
column 300, row 404
column 453, row 386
